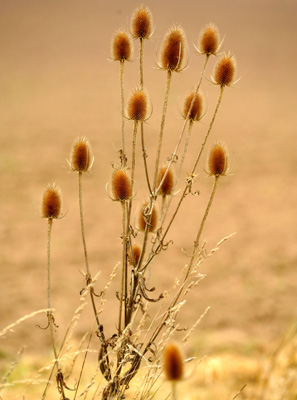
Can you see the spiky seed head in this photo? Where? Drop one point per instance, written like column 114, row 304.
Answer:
column 196, row 109
column 173, row 362
column 218, row 160
column 173, row 49
column 144, row 218
column 51, row 202
column 136, row 251
column 81, row 158
column 142, row 23
column 168, row 183
column 121, row 48
column 209, row 40
column 225, row 70
column 121, row 185
column 137, row 105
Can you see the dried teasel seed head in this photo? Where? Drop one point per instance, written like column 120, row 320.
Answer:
column 218, row 160
column 196, row 109
column 168, row 183
column 51, row 202
column 121, row 48
column 142, row 23
column 136, row 251
column 173, row 362
column 121, row 185
column 225, row 70
column 209, row 40
column 173, row 50
column 81, row 158
column 144, row 218
column 137, row 105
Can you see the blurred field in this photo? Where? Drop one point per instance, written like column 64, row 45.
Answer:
column 57, row 82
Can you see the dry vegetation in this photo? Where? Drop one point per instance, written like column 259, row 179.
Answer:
column 127, row 304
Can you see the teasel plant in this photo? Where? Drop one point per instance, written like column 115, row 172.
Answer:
column 145, row 226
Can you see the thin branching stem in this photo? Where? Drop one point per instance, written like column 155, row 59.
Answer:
column 123, row 155
column 88, row 274
column 50, row 316
column 141, row 61
column 209, row 129
column 165, row 104
column 123, row 293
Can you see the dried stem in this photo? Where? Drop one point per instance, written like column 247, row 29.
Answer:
column 50, row 316
column 123, row 293
column 88, row 274
column 123, row 155
column 165, row 104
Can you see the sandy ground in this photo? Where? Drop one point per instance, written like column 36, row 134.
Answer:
column 57, row 82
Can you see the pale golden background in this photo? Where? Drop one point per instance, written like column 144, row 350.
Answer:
column 57, row 82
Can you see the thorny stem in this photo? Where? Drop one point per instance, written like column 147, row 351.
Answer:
column 165, row 104
column 123, row 156
column 49, row 231
column 124, row 270
column 50, row 316
column 141, row 46
column 132, row 171
column 88, row 275
column 197, row 241
column 133, row 155
column 144, row 159
column 141, row 62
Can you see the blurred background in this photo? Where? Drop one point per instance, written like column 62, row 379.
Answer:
column 57, row 82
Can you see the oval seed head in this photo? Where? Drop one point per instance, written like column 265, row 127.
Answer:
column 121, row 47
column 137, row 105
column 133, row 260
column 81, row 158
column 168, row 183
column 144, row 218
column 173, row 362
column 225, row 71
column 142, row 23
column 173, row 49
column 218, row 160
column 121, row 185
column 51, row 202
column 209, row 40
column 196, row 109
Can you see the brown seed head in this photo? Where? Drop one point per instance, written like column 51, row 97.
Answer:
column 173, row 49
column 173, row 362
column 168, row 183
column 196, row 110
column 121, row 47
column 145, row 219
column 218, row 160
column 136, row 254
column 137, row 105
column 121, row 185
column 51, row 202
column 209, row 40
column 142, row 23
column 81, row 158
column 225, row 71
